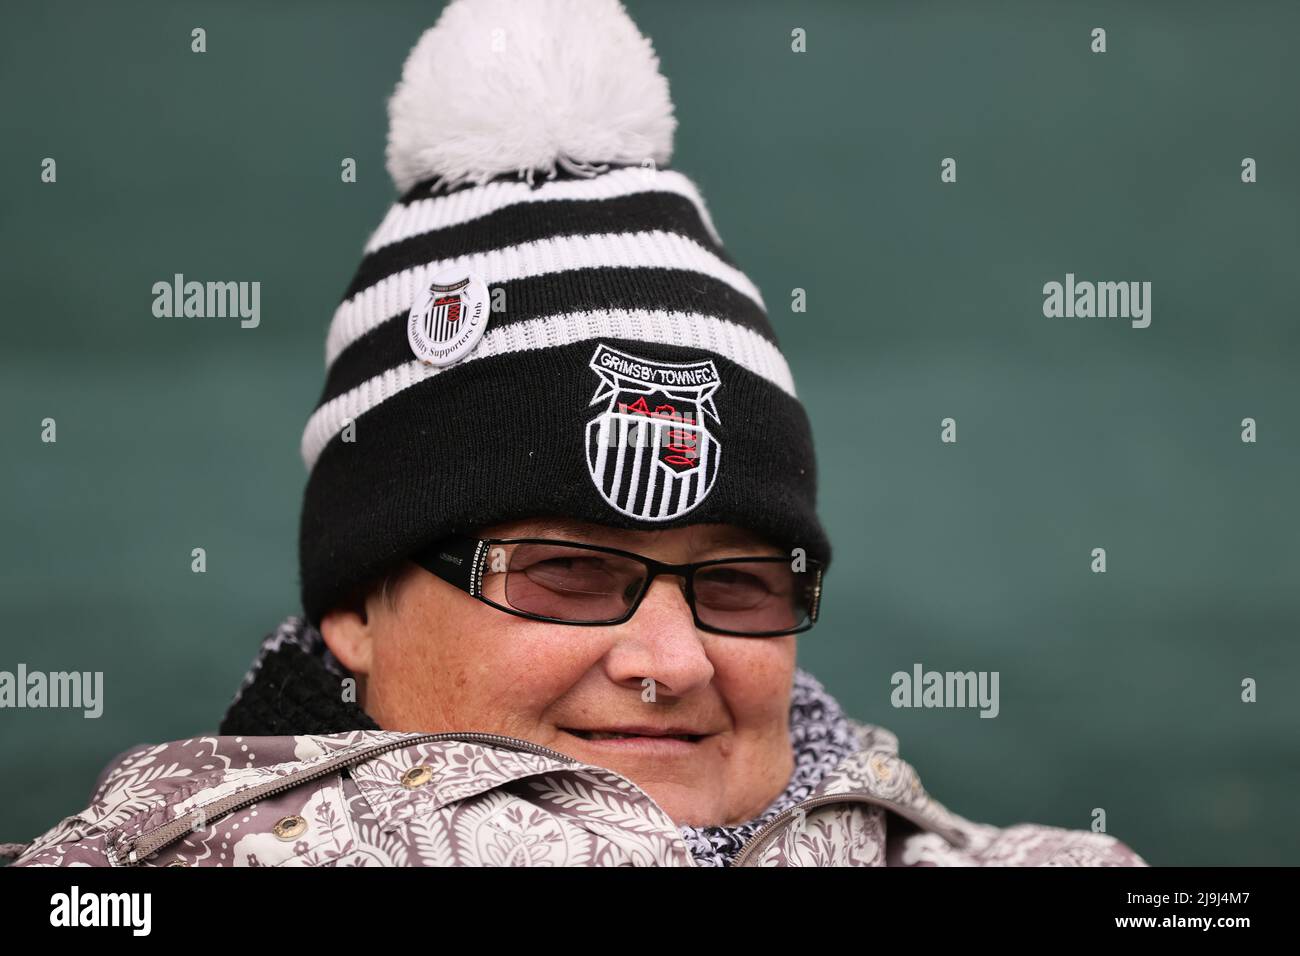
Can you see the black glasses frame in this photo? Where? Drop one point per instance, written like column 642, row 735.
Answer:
column 461, row 561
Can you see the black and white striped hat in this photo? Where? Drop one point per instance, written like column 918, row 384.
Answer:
column 546, row 322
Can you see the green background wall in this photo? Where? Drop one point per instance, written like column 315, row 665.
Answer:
column 1118, row 690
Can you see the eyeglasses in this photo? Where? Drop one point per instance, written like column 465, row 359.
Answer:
column 565, row 582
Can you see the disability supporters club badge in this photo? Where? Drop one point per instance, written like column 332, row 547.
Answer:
column 649, row 449
column 447, row 321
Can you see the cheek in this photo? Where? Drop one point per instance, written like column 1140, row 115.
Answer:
column 461, row 664
column 754, row 677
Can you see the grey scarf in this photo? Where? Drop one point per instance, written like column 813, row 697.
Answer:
column 292, row 688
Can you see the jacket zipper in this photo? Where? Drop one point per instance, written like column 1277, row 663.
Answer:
column 161, row 836
column 150, row 842
column 769, row 830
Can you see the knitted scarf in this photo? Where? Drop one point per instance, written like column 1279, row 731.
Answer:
column 292, row 688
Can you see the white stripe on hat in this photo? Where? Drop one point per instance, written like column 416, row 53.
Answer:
column 746, row 348
column 664, row 250
column 465, row 205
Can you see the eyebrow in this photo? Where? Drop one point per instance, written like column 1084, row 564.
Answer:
column 559, row 526
column 725, row 535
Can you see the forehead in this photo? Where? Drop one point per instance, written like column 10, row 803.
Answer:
column 699, row 535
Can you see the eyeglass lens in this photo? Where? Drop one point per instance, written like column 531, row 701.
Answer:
column 582, row 586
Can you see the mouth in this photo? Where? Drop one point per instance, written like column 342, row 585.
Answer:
column 635, row 733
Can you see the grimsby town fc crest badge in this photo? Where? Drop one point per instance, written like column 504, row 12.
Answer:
column 448, row 318
column 649, row 450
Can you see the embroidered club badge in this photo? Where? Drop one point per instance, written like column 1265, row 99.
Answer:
column 649, row 450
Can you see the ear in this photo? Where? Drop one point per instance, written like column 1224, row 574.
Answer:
column 349, row 634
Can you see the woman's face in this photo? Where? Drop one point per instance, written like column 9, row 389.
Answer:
column 433, row 659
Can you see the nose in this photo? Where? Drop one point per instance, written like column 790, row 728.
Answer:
column 661, row 643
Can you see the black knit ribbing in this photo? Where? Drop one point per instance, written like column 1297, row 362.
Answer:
column 531, row 221
column 577, row 290
column 293, row 695
column 503, row 438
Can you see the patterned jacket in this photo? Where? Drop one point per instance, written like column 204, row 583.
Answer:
column 384, row 798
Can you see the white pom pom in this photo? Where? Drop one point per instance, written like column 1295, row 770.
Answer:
column 501, row 86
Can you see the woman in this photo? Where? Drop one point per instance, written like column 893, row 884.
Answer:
column 559, row 536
